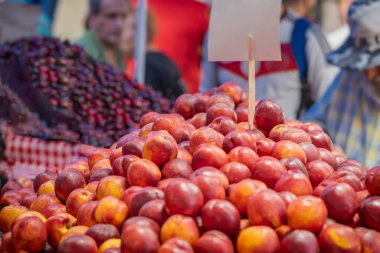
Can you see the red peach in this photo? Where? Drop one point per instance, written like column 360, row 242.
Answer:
column 370, row 239
column 184, row 154
column 155, row 210
column 238, row 138
column 76, row 199
column 369, row 212
column 140, row 221
column 268, row 115
column 296, row 135
column 134, row 147
column 288, row 149
column 148, row 117
column 243, row 155
column 42, row 201
column 97, row 155
column 29, row 234
column 205, row 135
column 318, row 171
column 78, row 243
column 143, row 172
column 85, row 214
column 212, row 172
column 311, row 126
column 57, row 226
column 294, row 165
column 277, row 131
column 268, row 170
column 68, row 181
column 300, row 241
column 54, row 209
column 184, row 105
column 8, row 214
column 241, row 113
column 141, row 197
column 218, row 110
column 128, row 194
column 160, row 147
column 214, row 241
column 321, row 140
column 198, row 120
column 339, row 238
column 235, row 172
column 42, row 178
column 296, row 183
column 265, row 146
column 311, row 151
column 103, row 232
column 102, row 164
column 177, row 168
column 176, row 245
column 167, row 122
column 211, row 188
column 233, row 90
column 219, row 98
column 223, row 125
column 98, row 175
column 209, row 155
column 372, row 180
column 183, row 132
column 139, row 239
column 287, row 197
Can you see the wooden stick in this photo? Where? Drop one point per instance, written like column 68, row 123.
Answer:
column 251, row 83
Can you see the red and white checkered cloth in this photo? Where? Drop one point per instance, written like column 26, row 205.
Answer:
column 28, row 156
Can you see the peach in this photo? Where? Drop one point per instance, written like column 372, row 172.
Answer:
column 214, row 173
column 264, row 146
column 219, row 110
column 370, row 239
column 141, row 222
column 42, row 178
column 29, row 234
column 184, row 154
column 288, row 149
column 369, row 212
column 54, row 209
column 141, row 197
column 174, row 245
column 243, row 155
column 241, row 192
column 294, row 165
column 148, row 117
column 78, row 243
column 180, row 226
column 145, row 130
column 287, row 197
column 115, row 153
column 68, row 181
column 103, row 232
column 29, row 214
column 300, row 241
column 85, row 214
column 327, row 156
column 258, row 239
column 155, row 210
column 184, row 105
column 318, row 171
column 276, row 132
column 311, row 151
column 183, row 132
column 109, row 244
column 12, row 197
column 205, row 135
column 111, row 186
column 238, row 138
column 307, row 212
column 223, row 125
column 372, row 180
column 160, row 147
column 134, row 147
column 177, row 168
column 311, row 126
column 241, row 113
column 167, row 122
column 128, row 194
column 57, row 226
column 97, row 155
column 282, row 231
column 121, row 164
column 42, row 201
column 341, row 203
column 98, row 175
column 211, row 188
column 295, row 135
column 139, row 239
column 219, row 98
column 183, row 197
column 102, row 164
column 143, row 172
column 77, row 230
column 111, row 210
column 296, row 183
column 81, row 166
column 91, row 187
column 198, row 120
column 294, row 123
column 209, row 155
column 6, row 245
column 233, row 90
column 321, row 140
column 46, row 188
column 267, row 208
column 77, row 198
column 358, row 171
column 8, row 214
column 214, row 241
column 268, row 170
column 268, row 115
column 339, row 238
column 221, row 215
column 28, row 199
column 235, row 172
column 348, row 178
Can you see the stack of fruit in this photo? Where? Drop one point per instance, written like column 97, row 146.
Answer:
column 198, row 180
column 65, row 85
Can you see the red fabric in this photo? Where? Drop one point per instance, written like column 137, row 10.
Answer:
column 28, row 156
column 288, row 63
column 180, row 29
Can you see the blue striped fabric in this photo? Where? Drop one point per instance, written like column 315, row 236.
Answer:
column 350, row 114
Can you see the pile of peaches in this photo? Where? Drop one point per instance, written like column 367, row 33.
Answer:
column 200, row 180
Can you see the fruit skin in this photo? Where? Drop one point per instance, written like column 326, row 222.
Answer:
column 300, row 241
column 97, row 155
column 221, row 215
column 85, row 214
column 321, row 140
column 372, row 180
column 183, row 197
column 241, row 192
column 177, row 168
column 78, row 243
column 142, row 222
column 8, row 214
column 102, row 232
column 29, row 234
column 268, row 115
column 235, row 172
column 176, row 245
column 258, row 239
column 114, row 243
column 243, row 155
column 318, row 171
column 339, row 238
column 214, row 241
column 211, row 187
column 76, row 199
column 139, row 239
column 288, row 149
column 311, row 151
column 370, row 212
column 307, row 212
column 111, row 210
column 268, row 170
column 294, row 182
column 143, row 172
column 57, row 226
column 160, row 147
column 141, row 197
column 180, row 226
column 111, row 186
column 68, row 181
column 43, row 201
column 266, row 208
column 370, row 239
column 42, row 178
column 341, row 202
column 98, row 175
column 209, row 155
column 238, row 138
column 205, row 135
column 77, row 230
column 155, row 210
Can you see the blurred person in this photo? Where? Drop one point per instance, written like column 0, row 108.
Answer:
column 161, row 73
column 350, row 109
column 299, row 79
column 337, row 37
column 181, row 26
column 105, row 25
